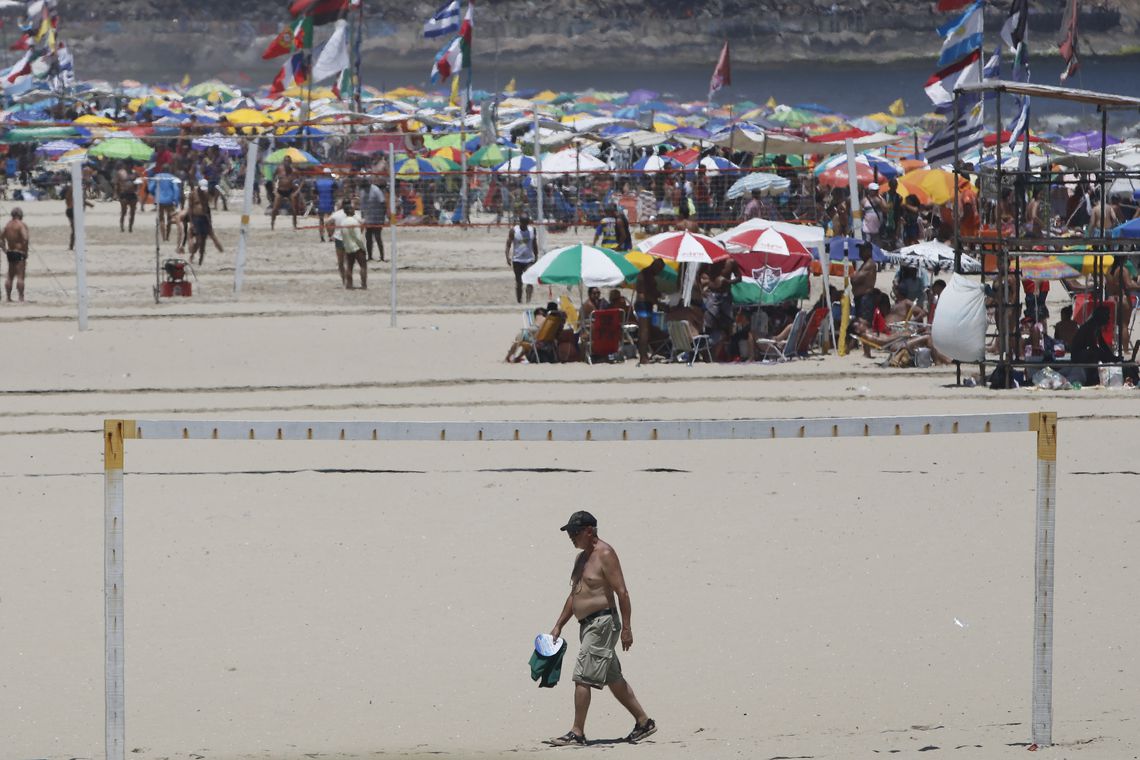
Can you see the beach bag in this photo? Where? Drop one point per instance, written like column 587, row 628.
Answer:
column 901, row 358
column 959, row 328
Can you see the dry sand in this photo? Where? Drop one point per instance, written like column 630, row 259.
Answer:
column 824, row 599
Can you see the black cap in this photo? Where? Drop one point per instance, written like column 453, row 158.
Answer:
column 580, row 520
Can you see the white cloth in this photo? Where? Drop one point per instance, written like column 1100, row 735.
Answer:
column 959, row 328
column 352, row 234
column 337, row 220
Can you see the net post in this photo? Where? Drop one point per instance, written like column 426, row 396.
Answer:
column 1045, row 425
column 115, row 432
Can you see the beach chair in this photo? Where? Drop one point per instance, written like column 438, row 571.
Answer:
column 546, row 340
column 811, row 331
column 685, row 343
column 602, row 336
column 783, row 350
column 571, row 311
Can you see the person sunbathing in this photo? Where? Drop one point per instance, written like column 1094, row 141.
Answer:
column 873, row 339
column 524, row 341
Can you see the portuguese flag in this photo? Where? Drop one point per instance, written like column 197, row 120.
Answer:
column 297, row 36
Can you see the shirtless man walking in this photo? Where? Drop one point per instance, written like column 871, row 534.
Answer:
column 594, row 583
column 128, row 196
column 15, row 240
column 286, row 191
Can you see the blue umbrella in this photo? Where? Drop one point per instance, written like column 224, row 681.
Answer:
column 1127, row 230
column 414, row 167
column 848, row 248
column 767, row 184
column 656, row 163
column 516, row 164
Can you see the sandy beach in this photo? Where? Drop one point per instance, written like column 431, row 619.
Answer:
column 816, row 598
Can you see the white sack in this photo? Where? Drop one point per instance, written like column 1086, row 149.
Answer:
column 959, row 328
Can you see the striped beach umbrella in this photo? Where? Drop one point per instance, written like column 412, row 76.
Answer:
column 580, row 264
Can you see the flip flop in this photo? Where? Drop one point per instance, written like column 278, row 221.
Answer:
column 568, row 739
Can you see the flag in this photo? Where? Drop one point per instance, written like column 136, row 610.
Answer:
column 952, row 5
column 343, row 83
column 320, row 11
column 961, row 35
column 940, row 87
column 454, row 99
column 722, row 74
column 456, row 56
column 185, row 80
column 20, row 68
column 510, row 88
column 23, row 43
column 779, row 279
column 971, row 133
column 333, row 57
column 1013, row 31
column 66, row 65
column 898, row 108
column 293, row 72
column 297, row 36
column 445, row 21
column 1068, row 43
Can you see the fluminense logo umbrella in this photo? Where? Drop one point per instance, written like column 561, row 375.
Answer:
column 580, row 264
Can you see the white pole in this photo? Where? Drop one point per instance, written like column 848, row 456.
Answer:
column 825, row 271
column 77, row 218
column 392, row 224
column 1042, row 733
column 853, row 187
column 113, row 642
column 246, row 208
column 539, row 223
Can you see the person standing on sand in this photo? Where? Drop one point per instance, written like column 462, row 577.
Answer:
column 15, row 240
column 127, row 194
column 69, row 212
column 595, row 582
column 522, row 252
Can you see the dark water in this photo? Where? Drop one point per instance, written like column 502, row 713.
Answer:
column 853, row 89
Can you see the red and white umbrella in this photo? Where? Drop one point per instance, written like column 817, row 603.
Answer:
column 766, row 240
column 683, row 246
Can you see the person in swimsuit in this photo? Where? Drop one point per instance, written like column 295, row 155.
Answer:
column 15, row 240
column 600, row 601
column 127, row 194
column 863, row 283
column 644, row 300
column 200, row 220
column 69, row 212
column 285, row 182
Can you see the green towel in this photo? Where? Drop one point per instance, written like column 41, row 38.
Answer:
column 547, row 670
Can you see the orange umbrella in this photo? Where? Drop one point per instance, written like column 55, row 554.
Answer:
column 936, row 184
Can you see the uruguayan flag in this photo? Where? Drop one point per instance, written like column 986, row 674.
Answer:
column 445, row 21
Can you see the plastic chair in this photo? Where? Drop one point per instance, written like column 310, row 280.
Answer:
column 603, row 335
column 811, row 331
column 571, row 311
column 684, row 342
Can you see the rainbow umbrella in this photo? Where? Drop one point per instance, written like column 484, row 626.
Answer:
column 299, row 157
column 1046, row 268
column 491, row 155
column 412, row 168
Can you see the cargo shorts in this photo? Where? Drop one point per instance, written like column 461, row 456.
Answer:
column 597, row 664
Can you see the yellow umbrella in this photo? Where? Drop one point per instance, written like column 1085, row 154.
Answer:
column 934, row 185
column 545, row 96
column 245, row 116
column 92, row 119
column 405, row 92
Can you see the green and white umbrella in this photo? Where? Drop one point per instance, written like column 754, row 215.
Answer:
column 580, row 264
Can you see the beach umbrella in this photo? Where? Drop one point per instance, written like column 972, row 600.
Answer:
column 683, row 246
column 839, row 248
column 212, row 88
column 714, row 165
column 809, row 235
column 491, row 155
column 767, row 184
column 54, row 148
column 766, row 240
column 933, row 255
column 413, row 167
column 1045, row 268
column 91, row 120
column 936, row 185
column 455, row 155
column 300, row 157
column 655, row 163
column 224, row 144
column 1127, row 230
column 370, row 145
column 879, row 166
column 580, row 264
column 668, row 279
column 444, row 164
column 123, row 148
column 1086, row 263
column 516, row 164
column 571, row 161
